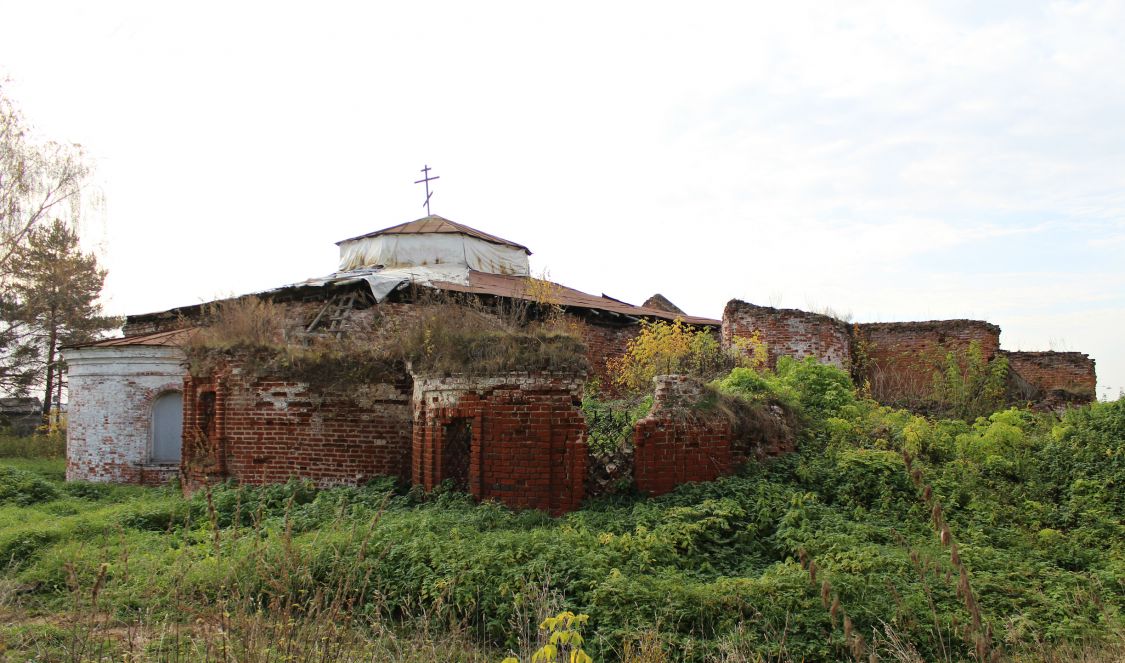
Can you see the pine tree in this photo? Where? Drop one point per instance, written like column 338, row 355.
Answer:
column 55, row 287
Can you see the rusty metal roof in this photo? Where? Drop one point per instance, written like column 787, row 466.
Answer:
column 174, row 337
column 503, row 285
column 436, row 224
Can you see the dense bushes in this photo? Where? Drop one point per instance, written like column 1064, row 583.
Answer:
column 1035, row 503
column 23, row 488
column 664, row 347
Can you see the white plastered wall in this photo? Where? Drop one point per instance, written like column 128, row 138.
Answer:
column 109, row 418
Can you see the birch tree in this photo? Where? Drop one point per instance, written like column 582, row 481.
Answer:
column 39, row 180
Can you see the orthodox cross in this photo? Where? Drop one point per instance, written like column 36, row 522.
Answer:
column 427, row 179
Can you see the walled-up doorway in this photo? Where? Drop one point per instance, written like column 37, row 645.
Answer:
column 456, row 452
column 167, row 427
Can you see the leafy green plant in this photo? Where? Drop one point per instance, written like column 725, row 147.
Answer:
column 610, row 423
column 714, row 568
column 564, row 643
column 24, row 488
column 967, row 386
column 664, row 347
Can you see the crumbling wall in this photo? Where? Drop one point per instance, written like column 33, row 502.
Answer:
column 109, row 420
column 268, row 429
column 692, row 435
column 678, row 441
column 900, row 358
column 788, row 332
column 1059, row 378
column 517, row 438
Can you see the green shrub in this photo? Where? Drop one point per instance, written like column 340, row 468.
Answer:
column 818, row 391
column 966, row 386
column 822, row 390
column 869, row 479
column 609, row 423
column 24, row 488
column 1035, row 503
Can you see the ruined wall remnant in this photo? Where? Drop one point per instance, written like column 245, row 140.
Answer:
column 678, row 442
column 902, row 357
column 112, row 391
column 268, row 429
column 518, row 438
column 789, row 332
column 691, row 435
column 1058, row 378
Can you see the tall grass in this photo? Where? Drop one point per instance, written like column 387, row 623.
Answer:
column 33, row 446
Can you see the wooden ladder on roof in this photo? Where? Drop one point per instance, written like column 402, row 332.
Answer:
column 335, row 312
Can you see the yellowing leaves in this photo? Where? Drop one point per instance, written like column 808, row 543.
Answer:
column 565, row 641
column 664, row 347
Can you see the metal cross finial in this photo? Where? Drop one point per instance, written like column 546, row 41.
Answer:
column 427, row 179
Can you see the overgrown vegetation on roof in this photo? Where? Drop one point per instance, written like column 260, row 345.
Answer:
column 466, row 338
column 441, row 333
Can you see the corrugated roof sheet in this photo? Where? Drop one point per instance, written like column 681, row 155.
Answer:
column 503, row 285
column 436, row 224
column 165, row 338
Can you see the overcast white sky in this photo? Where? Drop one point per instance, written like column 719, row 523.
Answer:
column 895, row 160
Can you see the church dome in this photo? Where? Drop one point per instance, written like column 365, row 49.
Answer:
column 433, row 241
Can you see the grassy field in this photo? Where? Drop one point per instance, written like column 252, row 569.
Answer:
column 886, row 537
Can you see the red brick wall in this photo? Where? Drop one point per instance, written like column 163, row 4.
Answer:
column 268, row 430
column 1071, row 372
column 604, row 342
column 901, row 357
column 678, row 443
column 789, row 332
column 527, row 437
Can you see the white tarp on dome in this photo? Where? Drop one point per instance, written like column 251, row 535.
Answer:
column 394, row 251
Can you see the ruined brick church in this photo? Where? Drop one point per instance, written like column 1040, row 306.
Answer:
column 138, row 415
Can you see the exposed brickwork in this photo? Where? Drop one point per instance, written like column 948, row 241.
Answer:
column 678, row 442
column 902, row 357
column 267, row 430
column 788, row 332
column 604, row 342
column 111, row 394
column 519, row 437
column 1070, row 376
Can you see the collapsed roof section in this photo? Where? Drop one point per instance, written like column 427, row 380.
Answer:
column 440, row 254
column 383, row 284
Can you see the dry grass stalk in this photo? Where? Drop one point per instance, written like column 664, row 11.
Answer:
column 976, row 633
